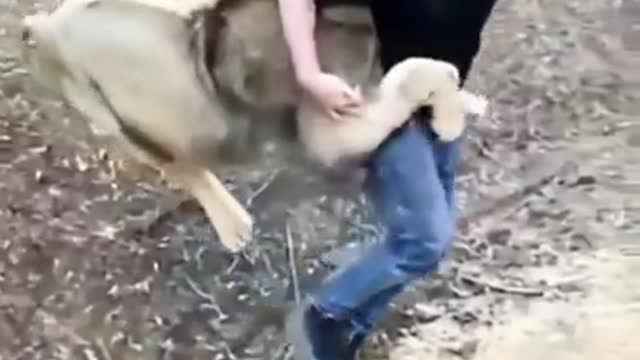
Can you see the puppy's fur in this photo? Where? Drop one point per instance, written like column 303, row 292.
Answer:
column 169, row 78
column 408, row 85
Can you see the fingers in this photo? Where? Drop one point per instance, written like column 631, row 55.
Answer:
column 339, row 100
column 335, row 115
column 352, row 110
column 351, row 104
column 344, row 113
column 345, row 110
column 352, row 95
column 341, row 113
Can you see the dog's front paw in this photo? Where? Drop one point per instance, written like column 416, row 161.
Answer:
column 236, row 232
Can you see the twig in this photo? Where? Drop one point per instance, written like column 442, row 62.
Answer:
column 515, row 197
column 502, row 288
column 459, row 292
column 371, row 228
column 292, row 263
column 570, row 280
column 209, row 297
column 103, row 348
column 53, row 328
column 268, row 264
column 90, row 354
column 283, row 352
column 199, row 253
column 234, row 264
column 251, row 257
column 228, row 351
column 196, row 289
column 262, row 187
column 466, row 248
column 165, row 209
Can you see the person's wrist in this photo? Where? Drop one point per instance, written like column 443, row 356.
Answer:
column 307, row 78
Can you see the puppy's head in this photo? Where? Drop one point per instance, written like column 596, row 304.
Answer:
column 423, row 81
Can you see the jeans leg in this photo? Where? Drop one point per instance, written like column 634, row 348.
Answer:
column 404, row 186
column 367, row 316
column 447, row 156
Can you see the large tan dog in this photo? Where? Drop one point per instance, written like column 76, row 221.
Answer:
column 175, row 81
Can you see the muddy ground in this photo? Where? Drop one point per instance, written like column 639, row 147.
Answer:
column 98, row 264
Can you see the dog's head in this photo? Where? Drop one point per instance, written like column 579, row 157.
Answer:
column 41, row 53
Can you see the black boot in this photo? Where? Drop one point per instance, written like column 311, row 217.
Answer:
column 357, row 340
column 317, row 336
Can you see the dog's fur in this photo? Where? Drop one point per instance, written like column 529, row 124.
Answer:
column 170, row 80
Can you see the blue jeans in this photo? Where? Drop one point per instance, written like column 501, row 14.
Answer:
column 410, row 182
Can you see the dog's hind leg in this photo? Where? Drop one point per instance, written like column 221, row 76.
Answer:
column 232, row 222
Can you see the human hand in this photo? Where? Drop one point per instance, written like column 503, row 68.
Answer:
column 333, row 95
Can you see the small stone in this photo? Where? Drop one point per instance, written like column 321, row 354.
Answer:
column 499, row 236
column 584, row 180
column 510, row 256
column 39, row 176
column 427, row 312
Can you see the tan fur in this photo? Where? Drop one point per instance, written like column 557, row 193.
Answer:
column 149, row 83
column 408, row 85
column 229, row 218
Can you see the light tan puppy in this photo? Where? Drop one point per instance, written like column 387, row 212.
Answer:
column 408, row 85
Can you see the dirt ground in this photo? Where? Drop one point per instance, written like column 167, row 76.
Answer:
column 97, row 265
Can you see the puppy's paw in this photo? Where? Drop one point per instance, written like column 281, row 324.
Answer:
column 475, row 105
column 448, row 131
